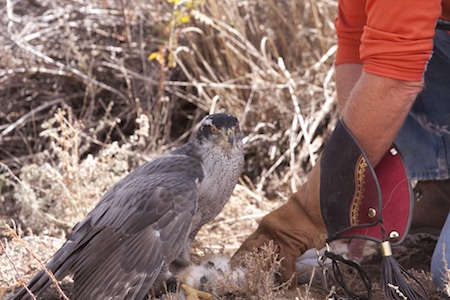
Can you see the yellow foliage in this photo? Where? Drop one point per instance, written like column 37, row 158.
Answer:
column 157, row 56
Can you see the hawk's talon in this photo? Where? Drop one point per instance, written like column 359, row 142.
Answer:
column 194, row 294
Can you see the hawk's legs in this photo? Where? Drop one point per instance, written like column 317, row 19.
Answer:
column 194, row 294
column 172, row 284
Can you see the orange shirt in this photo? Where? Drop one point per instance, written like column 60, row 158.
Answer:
column 390, row 38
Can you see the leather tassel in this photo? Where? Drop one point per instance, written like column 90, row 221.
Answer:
column 396, row 281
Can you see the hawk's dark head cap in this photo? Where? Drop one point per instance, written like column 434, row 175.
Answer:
column 218, row 127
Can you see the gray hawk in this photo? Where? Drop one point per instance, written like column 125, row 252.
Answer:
column 143, row 225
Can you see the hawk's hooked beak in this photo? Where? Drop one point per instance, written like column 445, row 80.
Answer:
column 229, row 135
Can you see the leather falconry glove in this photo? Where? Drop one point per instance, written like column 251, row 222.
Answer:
column 345, row 197
column 294, row 227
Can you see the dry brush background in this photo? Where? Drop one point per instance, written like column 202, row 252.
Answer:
column 91, row 89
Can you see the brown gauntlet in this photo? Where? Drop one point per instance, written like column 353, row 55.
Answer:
column 294, row 227
column 344, row 197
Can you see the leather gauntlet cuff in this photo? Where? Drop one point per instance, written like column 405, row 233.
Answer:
column 358, row 200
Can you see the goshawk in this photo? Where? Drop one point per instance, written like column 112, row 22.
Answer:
column 143, row 225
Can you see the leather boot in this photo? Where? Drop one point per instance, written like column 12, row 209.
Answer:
column 431, row 206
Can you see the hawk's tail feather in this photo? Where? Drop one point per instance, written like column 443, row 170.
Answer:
column 59, row 265
column 36, row 286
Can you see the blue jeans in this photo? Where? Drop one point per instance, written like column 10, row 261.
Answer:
column 442, row 250
column 424, row 139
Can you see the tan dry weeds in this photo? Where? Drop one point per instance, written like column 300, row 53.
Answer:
column 82, row 105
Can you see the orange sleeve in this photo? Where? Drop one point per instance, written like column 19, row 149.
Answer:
column 349, row 28
column 395, row 37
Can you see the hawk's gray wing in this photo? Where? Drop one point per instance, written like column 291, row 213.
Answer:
column 140, row 223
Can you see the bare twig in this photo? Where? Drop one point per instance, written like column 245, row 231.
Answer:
column 13, row 234
column 88, row 80
column 21, row 281
column 22, row 120
column 298, row 118
column 49, row 273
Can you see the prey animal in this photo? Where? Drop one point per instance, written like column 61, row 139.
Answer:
column 144, row 224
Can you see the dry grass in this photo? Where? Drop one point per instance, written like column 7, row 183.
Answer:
column 261, row 61
column 82, row 105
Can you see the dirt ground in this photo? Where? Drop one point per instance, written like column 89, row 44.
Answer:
column 222, row 237
column 88, row 89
